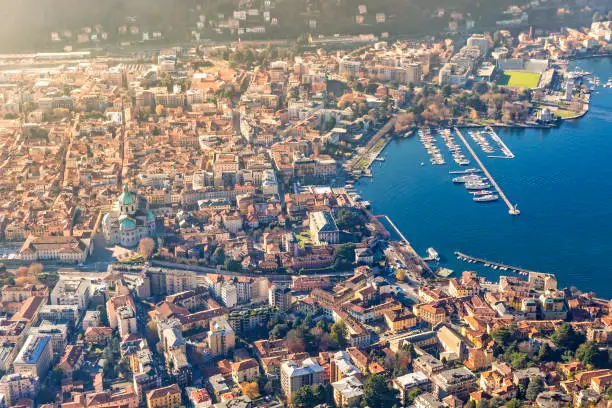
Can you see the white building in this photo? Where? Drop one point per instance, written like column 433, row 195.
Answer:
column 294, row 376
column 129, row 220
column 69, row 291
column 229, row 295
column 64, row 249
column 126, row 320
column 480, row 41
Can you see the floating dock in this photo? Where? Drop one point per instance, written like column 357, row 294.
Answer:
column 505, row 149
column 512, row 209
column 495, row 265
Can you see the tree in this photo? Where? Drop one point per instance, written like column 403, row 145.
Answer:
column 232, row 265
column 57, row 374
column 447, row 90
column 159, row 110
column 589, row 353
column 295, row 341
column 25, row 280
column 348, row 220
column 21, row 272
column 219, row 256
column 400, row 275
column 344, row 255
column 483, row 403
column 35, row 269
column 279, row 331
column 251, row 389
column 567, row 338
column 415, row 392
column 338, row 334
column 514, row 403
column 547, row 353
column 505, row 335
column 146, row 247
column 377, row 394
column 496, row 402
column 321, row 339
column 519, row 360
column 534, row 388
column 304, row 398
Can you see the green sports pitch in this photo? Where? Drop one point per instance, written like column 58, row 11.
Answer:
column 519, row 79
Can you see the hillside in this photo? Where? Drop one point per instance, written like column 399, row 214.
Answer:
column 28, row 24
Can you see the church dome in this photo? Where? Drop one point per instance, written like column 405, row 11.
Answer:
column 127, row 197
column 127, row 224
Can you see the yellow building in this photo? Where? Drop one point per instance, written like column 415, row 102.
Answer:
column 430, row 313
column 399, row 320
column 164, row 397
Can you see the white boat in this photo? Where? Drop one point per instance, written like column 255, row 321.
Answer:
column 467, row 179
column 433, row 254
column 486, row 198
column 481, row 192
column 477, row 186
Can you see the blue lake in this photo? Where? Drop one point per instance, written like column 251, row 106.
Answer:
column 561, row 180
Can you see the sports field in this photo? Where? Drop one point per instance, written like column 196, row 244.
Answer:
column 520, row 79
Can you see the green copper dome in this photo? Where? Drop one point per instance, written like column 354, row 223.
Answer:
column 127, row 197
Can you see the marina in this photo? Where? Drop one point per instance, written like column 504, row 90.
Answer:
column 494, row 265
column 512, row 209
column 504, row 149
column 453, row 147
column 481, row 138
column 429, row 142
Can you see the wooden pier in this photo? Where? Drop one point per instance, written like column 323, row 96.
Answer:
column 512, row 210
column 521, row 271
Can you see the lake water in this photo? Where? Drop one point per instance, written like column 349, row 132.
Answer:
column 561, row 180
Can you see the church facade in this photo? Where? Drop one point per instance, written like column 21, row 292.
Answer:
column 129, row 220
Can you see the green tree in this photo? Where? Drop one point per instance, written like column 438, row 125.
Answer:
column 232, row 265
column 514, row 403
column 219, row 256
column 483, row 403
column 338, row 334
column 590, row 353
column 348, row 220
column 535, row 387
column 304, row 398
column 57, row 374
column 505, row 335
column 567, row 338
column 344, row 255
column 519, row 360
column 377, row 394
column 415, row 392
